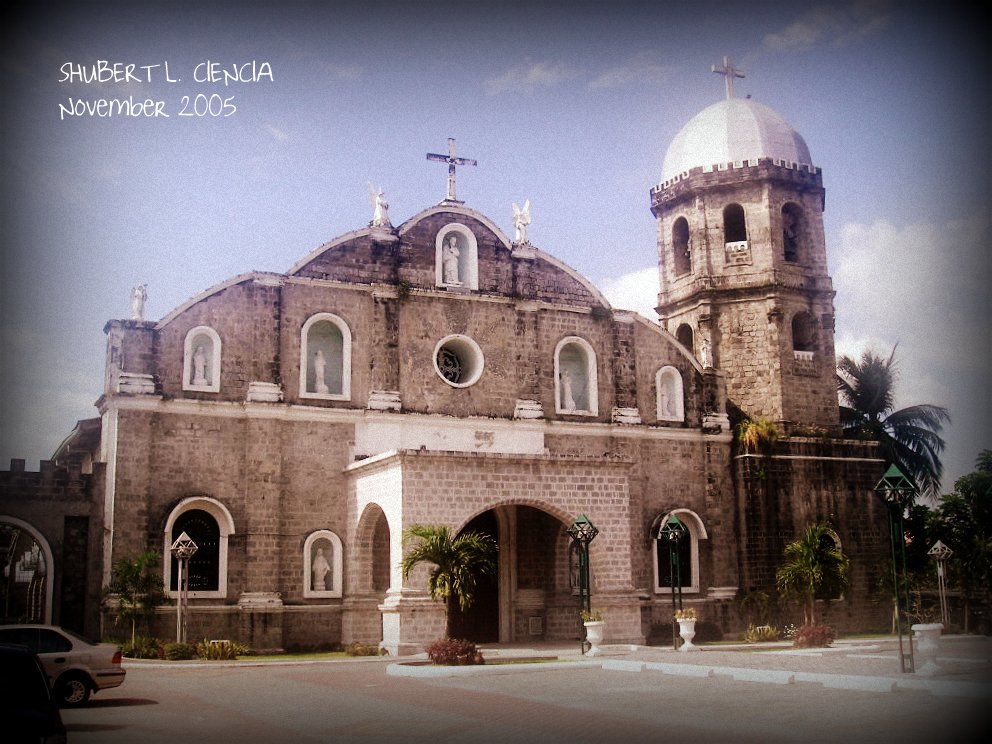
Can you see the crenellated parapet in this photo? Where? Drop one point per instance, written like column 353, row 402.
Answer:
column 685, row 184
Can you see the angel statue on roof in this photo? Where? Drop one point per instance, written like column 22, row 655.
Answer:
column 521, row 218
column 380, row 213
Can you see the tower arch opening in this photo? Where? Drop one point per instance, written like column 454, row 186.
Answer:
column 681, row 247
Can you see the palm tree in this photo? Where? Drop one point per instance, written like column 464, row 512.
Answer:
column 138, row 592
column 910, row 437
column 458, row 564
column 813, row 563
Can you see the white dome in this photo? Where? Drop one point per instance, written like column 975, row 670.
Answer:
column 733, row 130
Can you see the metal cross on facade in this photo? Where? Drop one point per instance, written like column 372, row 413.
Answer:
column 729, row 72
column 452, row 161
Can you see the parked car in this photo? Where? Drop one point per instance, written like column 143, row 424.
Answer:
column 75, row 666
column 27, row 708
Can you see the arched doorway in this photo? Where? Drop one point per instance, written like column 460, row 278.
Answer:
column 480, row 622
column 531, row 599
column 27, row 582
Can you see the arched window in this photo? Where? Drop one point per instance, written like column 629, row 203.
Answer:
column 684, row 335
column 803, row 334
column 325, row 366
column 322, row 567
column 671, row 403
column 201, row 360
column 575, row 376
column 456, row 257
column 681, row 246
column 734, row 225
column 688, row 553
column 792, row 230
column 208, row 523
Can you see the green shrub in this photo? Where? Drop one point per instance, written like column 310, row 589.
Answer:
column 454, row 652
column 364, row 649
column 221, row 650
column 813, row 636
column 761, row 633
column 142, row 648
column 179, row 651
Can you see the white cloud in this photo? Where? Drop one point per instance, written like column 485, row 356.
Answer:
column 644, row 67
column 838, row 24
column 927, row 288
column 278, row 133
column 527, row 78
column 637, row 290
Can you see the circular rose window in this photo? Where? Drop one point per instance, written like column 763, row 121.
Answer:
column 458, row 361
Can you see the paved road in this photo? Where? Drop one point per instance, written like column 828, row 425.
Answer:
column 358, row 701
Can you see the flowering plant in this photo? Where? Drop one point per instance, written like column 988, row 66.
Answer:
column 592, row 616
column 687, row 614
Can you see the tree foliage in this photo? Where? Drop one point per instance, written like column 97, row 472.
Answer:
column 758, row 435
column 908, row 437
column 963, row 522
column 138, row 591
column 813, row 564
column 459, row 563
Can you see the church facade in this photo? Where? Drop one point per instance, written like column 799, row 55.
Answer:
column 441, row 372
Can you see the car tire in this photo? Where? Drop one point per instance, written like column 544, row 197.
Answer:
column 72, row 690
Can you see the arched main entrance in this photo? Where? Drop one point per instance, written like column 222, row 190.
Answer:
column 531, row 598
column 27, row 582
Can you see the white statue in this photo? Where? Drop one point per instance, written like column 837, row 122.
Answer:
column 705, row 356
column 319, row 368
column 200, row 366
column 138, row 296
column 521, row 218
column 449, row 260
column 380, row 213
column 320, row 569
column 567, row 398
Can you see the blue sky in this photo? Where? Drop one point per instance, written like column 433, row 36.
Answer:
column 572, row 110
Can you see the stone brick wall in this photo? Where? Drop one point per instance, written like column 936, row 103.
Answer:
column 65, row 507
column 806, row 481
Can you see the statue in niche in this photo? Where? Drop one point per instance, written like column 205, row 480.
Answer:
column 567, row 397
column 449, row 260
column 200, row 366
column 138, row 296
column 667, row 399
column 319, row 570
column 706, row 355
column 521, row 218
column 380, row 213
column 319, row 370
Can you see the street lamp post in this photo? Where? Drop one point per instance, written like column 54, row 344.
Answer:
column 183, row 549
column 673, row 530
column 897, row 491
column 941, row 553
column 582, row 533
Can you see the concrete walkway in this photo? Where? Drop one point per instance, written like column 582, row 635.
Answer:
column 963, row 664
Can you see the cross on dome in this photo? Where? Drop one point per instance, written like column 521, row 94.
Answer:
column 729, row 72
column 452, row 161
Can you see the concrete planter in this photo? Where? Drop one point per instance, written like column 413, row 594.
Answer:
column 927, row 637
column 594, row 634
column 687, row 630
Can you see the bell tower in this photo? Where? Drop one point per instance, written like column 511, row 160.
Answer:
column 742, row 260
